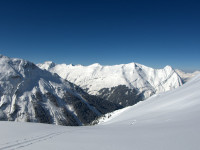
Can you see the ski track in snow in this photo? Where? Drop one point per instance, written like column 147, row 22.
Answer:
column 18, row 144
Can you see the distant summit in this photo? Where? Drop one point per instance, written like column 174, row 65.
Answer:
column 186, row 76
column 124, row 84
column 49, row 64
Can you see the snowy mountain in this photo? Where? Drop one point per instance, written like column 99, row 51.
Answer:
column 30, row 94
column 166, row 121
column 124, row 84
column 182, row 104
column 186, row 76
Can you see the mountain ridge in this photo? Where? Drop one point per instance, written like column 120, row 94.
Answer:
column 30, row 94
column 186, row 76
column 102, row 81
column 165, row 121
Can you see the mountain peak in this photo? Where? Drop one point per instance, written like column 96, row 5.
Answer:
column 168, row 67
column 50, row 63
column 34, row 95
column 102, row 81
column 95, row 64
column 186, row 76
column 2, row 56
column 47, row 65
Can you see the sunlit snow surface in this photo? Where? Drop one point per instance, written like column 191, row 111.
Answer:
column 169, row 121
column 133, row 75
column 186, row 76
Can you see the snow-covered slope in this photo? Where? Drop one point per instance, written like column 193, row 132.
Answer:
column 181, row 104
column 167, row 121
column 186, row 76
column 30, row 94
column 125, row 84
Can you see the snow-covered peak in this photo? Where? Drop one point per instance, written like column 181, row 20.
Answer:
column 95, row 65
column 95, row 78
column 47, row 65
column 168, row 121
column 181, row 104
column 168, row 68
column 186, row 76
column 51, row 63
column 28, row 93
column 15, row 67
column 2, row 56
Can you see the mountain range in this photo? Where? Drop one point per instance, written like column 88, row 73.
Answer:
column 165, row 121
column 74, row 95
column 186, row 76
column 124, row 84
column 29, row 94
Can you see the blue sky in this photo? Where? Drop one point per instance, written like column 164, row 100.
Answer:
column 155, row 33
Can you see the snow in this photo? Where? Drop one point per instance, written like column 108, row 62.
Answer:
column 167, row 121
column 173, row 103
column 186, row 76
column 20, row 83
column 96, row 77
